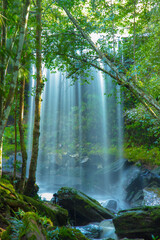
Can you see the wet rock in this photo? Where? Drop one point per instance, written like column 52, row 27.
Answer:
column 82, row 209
column 151, row 196
column 138, row 223
column 91, row 231
column 134, row 190
column 111, row 204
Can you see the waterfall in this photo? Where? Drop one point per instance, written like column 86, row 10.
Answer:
column 81, row 135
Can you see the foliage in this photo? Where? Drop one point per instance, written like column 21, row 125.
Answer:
column 64, row 233
column 141, row 154
column 141, row 128
column 18, row 229
column 9, row 143
column 142, row 137
column 155, row 237
column 126, row 31
column 29, row 222
column 57, row 215
column 135, row 23
column 23, row 215
column 8, row 186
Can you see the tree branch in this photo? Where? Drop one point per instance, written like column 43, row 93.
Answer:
column 119, row 76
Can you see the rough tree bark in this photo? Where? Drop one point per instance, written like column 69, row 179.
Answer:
column 119, row 77
column 30, row 186
column 10, row 97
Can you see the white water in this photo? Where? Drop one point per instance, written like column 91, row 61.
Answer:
column 81, row 136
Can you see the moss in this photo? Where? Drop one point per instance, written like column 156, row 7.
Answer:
column 31, row 222
column 131, row 222
column 32, row 226
column 61, row 213
column 57, row 215
column 82, row 209
column 72, row 192
column 6, row 235
column 6, row 183
column 3, row 220
column 64, row 233
column 143, row 155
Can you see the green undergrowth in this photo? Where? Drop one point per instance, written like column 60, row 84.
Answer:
column 143, row 155
column 27, row 226
column 64, row 233
column 22, row 217
column 9, row 141
column 31, row 226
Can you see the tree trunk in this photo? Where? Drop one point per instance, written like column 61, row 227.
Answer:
column 21, row 131
column 30, row 187
column 10, row 97
column 119, row 77
column 3, row 55
column 1, row 147
column 15, row 134
column 2, row 71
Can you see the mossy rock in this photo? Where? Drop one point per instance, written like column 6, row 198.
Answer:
column 7, row 189
column 58, row 215
column 82, row 208
column 138, row 222
column 34, row 227
column 10, row 203
column 31, row 227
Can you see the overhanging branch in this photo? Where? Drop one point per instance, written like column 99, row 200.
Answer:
column 119, row 76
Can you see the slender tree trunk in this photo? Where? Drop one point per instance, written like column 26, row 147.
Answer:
column 134, row 42
column 2, row 70
column 10, row 97
column 113, row 31
column 1, row 147
column 15, row 134
column 30, row 189
column 5, row 111
column 119, row 77
column 21, row 131
column 3, row 55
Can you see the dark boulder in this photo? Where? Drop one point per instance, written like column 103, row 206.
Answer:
column 134, row 190
column 138, row 223
column 111, row 205
column 82, row 209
